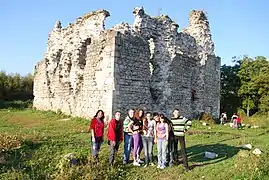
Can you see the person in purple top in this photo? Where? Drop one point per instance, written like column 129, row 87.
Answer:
column 162, row 135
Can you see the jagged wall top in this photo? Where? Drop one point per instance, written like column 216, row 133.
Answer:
column 98, row 15
column 195, row 40
column 198, row 17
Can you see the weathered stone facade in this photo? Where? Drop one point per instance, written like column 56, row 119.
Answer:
column 147, row 65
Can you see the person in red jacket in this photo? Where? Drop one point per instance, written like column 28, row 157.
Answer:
column 97, row 132
column 238, row 120
column 114, row 136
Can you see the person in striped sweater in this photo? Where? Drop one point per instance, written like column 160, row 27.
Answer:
column 180, row 126
column 128, row 138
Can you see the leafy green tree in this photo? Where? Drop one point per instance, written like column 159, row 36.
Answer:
column 254, row 76
column 230, row 84
column 15, row 86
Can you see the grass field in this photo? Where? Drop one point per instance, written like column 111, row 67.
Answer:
column 33, row 144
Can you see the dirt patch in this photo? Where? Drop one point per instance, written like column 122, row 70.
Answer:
column 24, row 121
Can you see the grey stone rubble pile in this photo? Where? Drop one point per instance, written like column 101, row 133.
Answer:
column 147, row 65
column 256, row 151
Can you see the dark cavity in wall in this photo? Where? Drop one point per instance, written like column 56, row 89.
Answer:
column 82, row 53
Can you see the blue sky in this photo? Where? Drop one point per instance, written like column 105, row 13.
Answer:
column 237, row 27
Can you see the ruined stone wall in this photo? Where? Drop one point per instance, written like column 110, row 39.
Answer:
column 147, row 65
column 207, row 82
column 184, row 76
column 212, row 86
column 132, row 73
column 76, row 75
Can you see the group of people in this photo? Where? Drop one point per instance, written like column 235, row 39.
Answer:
column 140, row 131
column 235, row 120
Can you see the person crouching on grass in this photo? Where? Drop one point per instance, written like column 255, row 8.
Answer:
column 97, row 132
column 114, row 136
column 162, row 135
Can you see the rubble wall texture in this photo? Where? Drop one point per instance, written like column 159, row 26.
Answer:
column 147, row 65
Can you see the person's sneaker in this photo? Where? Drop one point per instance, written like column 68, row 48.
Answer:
column 152, row 164
column 162, row 167
column 140, row 161
column 158, row 166
column 136, row 163
column 145, row 166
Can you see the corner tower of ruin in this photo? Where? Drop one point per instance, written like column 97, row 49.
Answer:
column 147, row 65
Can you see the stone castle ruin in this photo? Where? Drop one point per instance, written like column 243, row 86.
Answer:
column 147, row 65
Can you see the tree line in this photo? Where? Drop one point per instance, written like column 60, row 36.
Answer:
column 15, row 86
column 245, row 86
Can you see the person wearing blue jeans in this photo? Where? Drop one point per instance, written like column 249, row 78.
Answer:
column 162, row 135
column 128, row 142
column 128, row 139
column 148, row 138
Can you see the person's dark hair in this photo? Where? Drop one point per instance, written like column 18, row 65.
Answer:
column 137, row 114
column 176, row 109
column 155, row 114
column 130, row 109
column 148, row 113
column 165, row 118
column 102, row 118
column 117, row 112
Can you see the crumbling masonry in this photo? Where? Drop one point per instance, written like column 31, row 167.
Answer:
column 147, row 65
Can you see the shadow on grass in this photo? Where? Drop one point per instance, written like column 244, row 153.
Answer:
column 196, row 154
column 15, row 158
column 15, row 104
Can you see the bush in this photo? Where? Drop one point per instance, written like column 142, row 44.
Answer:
column 207, row 118
column 16, row 104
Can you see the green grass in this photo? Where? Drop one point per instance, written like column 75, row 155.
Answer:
column 33, row 144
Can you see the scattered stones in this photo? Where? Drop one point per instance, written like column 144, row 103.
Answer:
column 67, row 161
column 257, row 151
column 66, row 119
column 210, row 155
column 147, row 65
column 204, row 124
column 71, row 158
column 247, row 146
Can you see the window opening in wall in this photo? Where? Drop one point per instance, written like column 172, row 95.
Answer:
column 193, row 94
